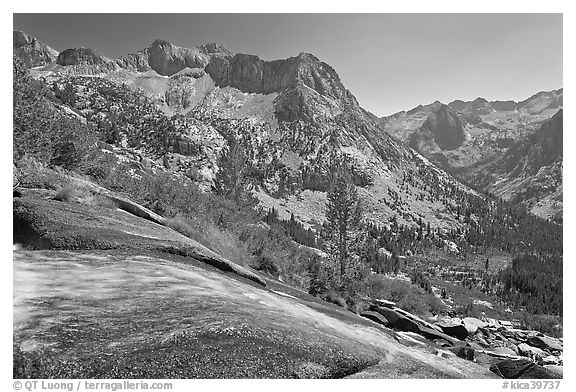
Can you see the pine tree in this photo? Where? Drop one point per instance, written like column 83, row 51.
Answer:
column 231, row 177
column 343, row 213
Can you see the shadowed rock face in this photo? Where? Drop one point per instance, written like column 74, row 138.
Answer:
column 444, row 127
column 80, row 56
column 32, row 52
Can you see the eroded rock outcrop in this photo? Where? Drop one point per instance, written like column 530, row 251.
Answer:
column 32, row 52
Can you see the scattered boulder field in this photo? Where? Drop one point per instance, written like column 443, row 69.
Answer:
column 509, row 352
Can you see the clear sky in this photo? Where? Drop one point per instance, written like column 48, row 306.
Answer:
column 390, row 62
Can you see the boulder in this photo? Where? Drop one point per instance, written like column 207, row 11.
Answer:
column 481, row 341
column 464, row 351
column 511, row 368
column 375, row 316
column 550, row 360
column 545, row 343
column 147, row 164
column 500, row 337
column 411, row 339
column 530, row 351
column 396, row 320
column 385, row 303
column 475, row 346
column 135, row 209
column 505, row 323
column 492, row 323
column 485, row 359
column 539, row 372
column 503, row 351
column 557, row 371
column 389, row 314
column 509, row 334
column 513, row 347
column 442, row 342
column 443, row 353
column 458, row 331
column 417, row 319
column 472, row 324
column 405, row 324
column 432, row 334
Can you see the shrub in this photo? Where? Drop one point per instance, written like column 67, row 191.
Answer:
column 266, row 265
column 335, row 298
column 407, row 296
column 547, row 324
column 67, row 193
column 102, row 201
column 40, row 130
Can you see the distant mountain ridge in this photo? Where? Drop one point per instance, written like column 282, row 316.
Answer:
column 477, row 132
column 535, row 104
column 530, row 171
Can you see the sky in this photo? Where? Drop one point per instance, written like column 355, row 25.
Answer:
column 390, row 62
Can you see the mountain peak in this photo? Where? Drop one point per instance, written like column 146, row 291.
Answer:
column 480, row 100
column 214, row 48
column 32, row 52
column 81, row 56
column 446, row 128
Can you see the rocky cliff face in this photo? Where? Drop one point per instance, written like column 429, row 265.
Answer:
column 167, row 59
column 250, row 74
column 32, row 52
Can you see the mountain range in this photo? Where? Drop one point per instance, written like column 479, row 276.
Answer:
column 301, row 115
column 294, row 117
column 202, row 181
column 465, row 137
